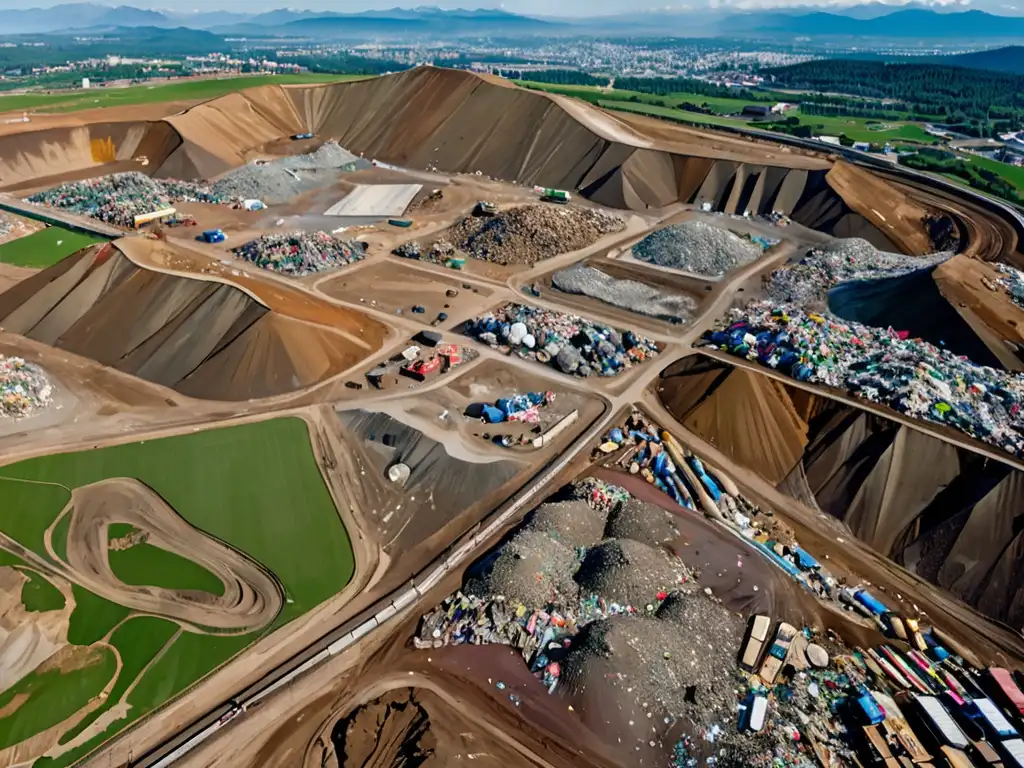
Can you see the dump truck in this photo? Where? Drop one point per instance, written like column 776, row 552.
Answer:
column 484, row 208
column 549, row 195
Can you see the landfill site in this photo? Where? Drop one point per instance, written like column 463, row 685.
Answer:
column 425, row 420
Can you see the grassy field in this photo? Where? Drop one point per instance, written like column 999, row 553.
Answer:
column 185, row 90
column 256, row 487
column 679, row 115
column 45, row 247
column 39, row 595
column 1014, row 174
column 145, row 565
column 865, row 129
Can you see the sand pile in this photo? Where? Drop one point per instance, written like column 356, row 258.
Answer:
column 300, row 253
column 643, row 522
column 24, row 388
column 697, row 247
column 531, row 233
column 532, row 569
column 630, row 573
column 571, row 523
column 625, row 294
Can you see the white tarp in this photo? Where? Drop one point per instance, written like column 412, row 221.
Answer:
column 375, row 200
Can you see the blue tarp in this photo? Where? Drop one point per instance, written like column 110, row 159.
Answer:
column 493, row 415
column 804, row 559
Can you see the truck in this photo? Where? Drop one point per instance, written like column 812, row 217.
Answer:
column 549, row 195
column 484, row 208
column 212, row 236
column 301, row 136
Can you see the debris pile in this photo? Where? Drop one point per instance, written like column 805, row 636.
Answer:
column 532, row 569
column 523, row 408
column 628, row 572
column 908, row 375
column 575, row 524
column 300, row 253
column 697, row 247
column 1013, row 282
column 278, row 181
column 6, row 226
column 571, row 343
column 810, row 279
column 625, row 294
column 602, row 496
column 530, row 233
column 643, row 522
column 24, row 387
column 118, row 198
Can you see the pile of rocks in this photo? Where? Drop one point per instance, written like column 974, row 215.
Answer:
column 531, row 233
column 300, row 253
column 696, row 247
column 24, row 388
column 571, row 343
column 625, row 294
column 117, row 199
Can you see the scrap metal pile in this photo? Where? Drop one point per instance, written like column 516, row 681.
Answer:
column 810, row 279
column 908, row 375
column 300, row 253
column 531, row 233
column 571, row 343
column 698, row 247
column 118, row 198
column 625, row 294
column 24, row 388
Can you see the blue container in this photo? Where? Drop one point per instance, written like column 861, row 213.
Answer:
column 874, row 605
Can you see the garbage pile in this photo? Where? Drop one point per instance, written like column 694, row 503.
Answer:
column 118, row 198
column 570, row 343
column 278, row 181
column 1013, row 282
column 6, row 226
column 24, row 388
column 810, row 279
column 643, row 522
column 908, row 375
column 698, row 247
column 625, row 294
column 518, row 408
column 531, row 233
column 574, row 524
column 533, row 569
column 300, row 253
column 629, row 572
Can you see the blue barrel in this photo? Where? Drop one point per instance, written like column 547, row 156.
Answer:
column 870, row 602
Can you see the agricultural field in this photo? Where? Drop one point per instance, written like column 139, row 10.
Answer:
column 1014, row 174
column 673, row 114
column 187, row 90
column 44, row 248
column 218, row 560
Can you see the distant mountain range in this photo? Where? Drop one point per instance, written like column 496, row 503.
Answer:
column 1009, row 59
column 913, row 22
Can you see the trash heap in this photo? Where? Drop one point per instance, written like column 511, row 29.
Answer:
column 278, row 181
column 118, row 198
column 810, row 279
column 523, row 408
column 698, row 247
column 570, row 343
column 625, row 294
column 630, row 572
column 1013, row 282
column 6, row 226
column 24, row 388
column 908, row 375
column 530, row 233
column 300, row 253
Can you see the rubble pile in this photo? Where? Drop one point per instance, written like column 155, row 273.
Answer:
column 908, row 375
column 278, row 181
column 531, row 233
column 625, row 294
column 533, row 569
column 575, row 524
column 6, row 226
column 571, row 343
column 697, row 247
column 643, row 522
column 118, row 198
column 602, row 496
column 24, row 388
column 810, row 279
column 629, row 572
column 300, row 253
column 1013, row 282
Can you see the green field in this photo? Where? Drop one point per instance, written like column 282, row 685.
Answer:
column 1014, row 174
column 45, row 247
column 256, row 487
column 680, row 115
column 187, row 90
column 38, row 595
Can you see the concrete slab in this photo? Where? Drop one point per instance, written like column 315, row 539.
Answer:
column 375, row 200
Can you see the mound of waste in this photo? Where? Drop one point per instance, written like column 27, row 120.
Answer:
column 1013, row 282
column 531, row 233
column 629, row 572
column 300, row 253
column 118, row 198
column 641, row 521
column 575, row 524
column 625, row 294
column 698, row 247
column 532, row 569
column 841, row 261
column 24, row 388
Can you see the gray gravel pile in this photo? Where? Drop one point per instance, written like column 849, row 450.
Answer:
column 841, row 261
column 629, row 572
column 532, row 569
column 698, row 247
column 5, row 226
column 626, row 294
column 531, row 233
column 643, row 522
column 281, row 180
column 575, row 524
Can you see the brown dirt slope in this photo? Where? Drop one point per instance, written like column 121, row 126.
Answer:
column 205, row 339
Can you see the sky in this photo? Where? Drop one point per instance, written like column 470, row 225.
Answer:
column 529, row 7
